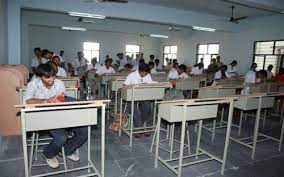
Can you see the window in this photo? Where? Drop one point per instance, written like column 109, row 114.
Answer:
column 170, row 52
column 132, row 50
column 91, row 50
column 207, row 52
column 268, row 53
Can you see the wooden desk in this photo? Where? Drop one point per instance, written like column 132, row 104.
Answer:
column 217, row 91
column 233, row 81
column 70, row 81
column 39, row 117
column 115, row 85
column 190, row 84
column 141, row 92
column 190, row 110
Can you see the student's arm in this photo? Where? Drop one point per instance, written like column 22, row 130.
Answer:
column 38, row 101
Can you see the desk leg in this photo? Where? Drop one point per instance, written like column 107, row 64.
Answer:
column 227, row 140
column 25, row 150
column 256, row 127
column 103, row 142
column 115, row 104
column 89, row 147
column 240, row 123
column 281, row 136
column 154, row 112
column 120, row 117
column 157, row 139
column 182, row 141
column 131, row 122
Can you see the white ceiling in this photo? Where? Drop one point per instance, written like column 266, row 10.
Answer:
column 219, row 7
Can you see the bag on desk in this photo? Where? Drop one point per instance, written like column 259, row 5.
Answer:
column 115, row 125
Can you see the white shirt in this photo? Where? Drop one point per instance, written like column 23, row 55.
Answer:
column 269, row 74
column 36, row 89
column 135, row 68
column 159, row 67
column 196, row 71
column 61, row 72
column 173, row 74
column 218, row 75
column 250, row 77
column 135, row 62
column 103, row 70
column 183, row 75
column 35, row 62
column 232, row 71
column 153, row 71
column 135, row 78
column 78, row 64
column 122, row 63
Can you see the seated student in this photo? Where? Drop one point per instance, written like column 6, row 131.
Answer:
column 127, row 68
column 258, row 77
column 95, row 64
column 45, row 89
column 232, row 69
column 139, row 77
column 197, row 69
column 250, row 76
column 270, row 75
column 221, row 74
column 135, row 68
column 105, row 69
column 182, row 72
column 70, row 69
column 279, row 78
column 152, row 68
column 173, row 74
column 158, row 65
column 60, row 71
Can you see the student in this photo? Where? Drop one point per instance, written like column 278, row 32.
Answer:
column 221, row 74
column 158, row 65
column 232, row 69
column 140, row 76
column 250, row 76
column 122, row 61
column 153, row 71
column 61, row 72
column 46, row 89
column 279, row 78
column 47, row 54
column 182, row 72
column 173, row 74
column 213, row 67
column 259, row 77
column 198, row 69
column 152, row 57
column 62, row 63
column 106, row 69
column 134, row 68
column 270, row 75
column 95, row 64
column 37, row 60
column 70, row 69
column 219, row 63
column 80, row 64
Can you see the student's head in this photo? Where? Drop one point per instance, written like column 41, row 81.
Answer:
column 53, row 64
column 107, row 63
column 200, row 65
column 253, row 66
column 56, row 60
column 261, row 75
column 80, row 55
column 167, row 60
column 157, row 61
column 37, row 51
column 181, row 69
column 223, row 68
column 213, row 60
column 234, row 63
column 69, row 65
column 107, row 56
column 61, row 53
column 175, row 61
column 270, row 67
column 94, row 61
column 46, row 73
column 201, row 60
column 46, row 54
column 151, row 65
column 137, row 56
column 152, row 57
column 218, row 58
column 127, row 67
column 143, row 69
column 175, row 65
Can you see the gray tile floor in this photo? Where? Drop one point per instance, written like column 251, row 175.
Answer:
column 123, row 161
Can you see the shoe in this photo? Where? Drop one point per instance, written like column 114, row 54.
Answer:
column 138, row 135
column 53, row 162
column 73, row 157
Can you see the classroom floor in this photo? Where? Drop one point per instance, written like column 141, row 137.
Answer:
column 123, row 161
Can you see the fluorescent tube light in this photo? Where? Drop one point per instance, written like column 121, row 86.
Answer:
column 78, row 14
column 73, row 28
column 158, row 35
column 203, row 28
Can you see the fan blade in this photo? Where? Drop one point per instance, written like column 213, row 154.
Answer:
column 115, row 1
column 240, row 18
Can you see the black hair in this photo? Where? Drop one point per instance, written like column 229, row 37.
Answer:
column 144, row 67
column 224, row 66
column 61, row 51
column 45, row 70
column 151, row 63
column 262, row 72
column 200, row 65
column 127, row 66
column 182, row 67
column 174, row 65
column 157, row 61
column 141, row 61
column 234, row 62
column 44, row 52
column 37, row 49
column 174, row 60
column 152, row 56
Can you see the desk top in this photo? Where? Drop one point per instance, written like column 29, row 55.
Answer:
column 152, row 85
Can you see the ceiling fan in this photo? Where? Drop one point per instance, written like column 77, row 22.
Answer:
column 83, row 20
column 111, row 1
column 236, row 20
column 172, row 28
